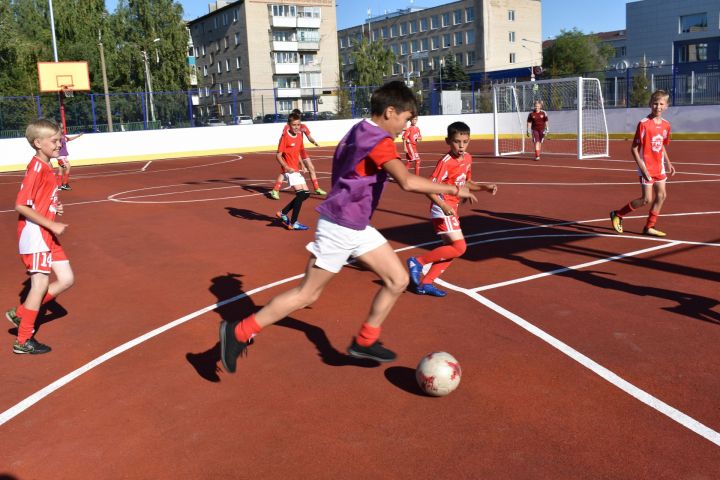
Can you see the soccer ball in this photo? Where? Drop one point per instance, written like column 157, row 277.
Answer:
column 438, row 374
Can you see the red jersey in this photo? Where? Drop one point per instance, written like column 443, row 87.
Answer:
column 383, row 152
column 304, row 130
column 650, row 137
column 38, row 191
column 290, row 146
column 451, row 171
column 538, row 120
column 411, row 135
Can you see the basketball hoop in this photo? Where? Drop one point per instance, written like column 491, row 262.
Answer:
column 67, row 91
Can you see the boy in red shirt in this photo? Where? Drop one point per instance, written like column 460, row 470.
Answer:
column 307, row 164
column 362, row 161
column 410, row 137
column 648, row 150
column 38, row 204
column 288, row 156
column 453, row 169
column 537, row 127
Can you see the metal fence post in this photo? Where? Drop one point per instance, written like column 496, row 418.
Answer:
column 92, row 109
column 191, row 117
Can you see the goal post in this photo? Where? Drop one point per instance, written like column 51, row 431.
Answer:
column 576, row 117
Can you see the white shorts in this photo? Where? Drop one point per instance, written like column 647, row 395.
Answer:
column 334, row 244
column 295, row 179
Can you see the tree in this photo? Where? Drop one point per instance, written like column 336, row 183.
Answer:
column 372, row 62
column 573, row 52
column 453, row 72
column 640, row 90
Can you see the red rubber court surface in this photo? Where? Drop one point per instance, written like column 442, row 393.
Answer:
column 585, row 354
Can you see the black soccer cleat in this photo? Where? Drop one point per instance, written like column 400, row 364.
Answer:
column 376, row 352
column 230, row 347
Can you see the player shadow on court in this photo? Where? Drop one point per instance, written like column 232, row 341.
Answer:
column 688, row 304
column 49, row 312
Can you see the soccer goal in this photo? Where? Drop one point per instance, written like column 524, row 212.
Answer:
column 576, row 117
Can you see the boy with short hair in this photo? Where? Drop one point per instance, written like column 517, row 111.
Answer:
column 648, row 150
column 410, row 137
column 288, row 156
column 63, row 173
column 37, row 204
column 307, row 163
column 453, row 169
column 537, row 127
column 361, row 164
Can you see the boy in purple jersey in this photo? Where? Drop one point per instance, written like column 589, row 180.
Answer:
column 63, row 173
column 362, row 161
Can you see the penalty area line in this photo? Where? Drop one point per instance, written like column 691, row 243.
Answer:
column 604, row 373
column 146, row 166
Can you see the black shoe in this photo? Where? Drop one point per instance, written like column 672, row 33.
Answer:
column 230, row 347
column 376, row 352
column 31, row 346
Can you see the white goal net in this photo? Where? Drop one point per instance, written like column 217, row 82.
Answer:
column 576, row 117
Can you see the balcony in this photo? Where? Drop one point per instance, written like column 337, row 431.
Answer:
column 308, row 22
column 287, row 22
column 280, row 46
column 286, row 68
column 287, row 92
column 310, row 67
column 308, row 45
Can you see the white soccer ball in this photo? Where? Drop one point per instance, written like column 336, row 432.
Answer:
column 438, row 374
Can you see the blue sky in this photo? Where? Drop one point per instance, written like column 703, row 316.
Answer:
column 587, row 15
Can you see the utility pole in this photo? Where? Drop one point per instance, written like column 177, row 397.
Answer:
column 148, row 80
column 108, row 111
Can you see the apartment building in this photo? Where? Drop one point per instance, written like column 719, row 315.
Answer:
column 259, row 57
column 500, row 39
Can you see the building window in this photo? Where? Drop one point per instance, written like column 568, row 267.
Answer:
column 511, row 15
column 283, row 10
column 620, row 52
column 512, row 58
column 229, row 88
column 309, row 12
column 693, row 23
column 227, row 65
column 469, row 14
column 424, row 24
column 413, row 26
column 376, row 34
column 394, row 31
column 446, row 40
column 285, row 105
column 310, row 80
column 446, row 19
column 425, row 64
column 309, row 34
column 220, row 88
column 470, row 37
column 285, row 57
column 457, row 17
column 239, row 86
column 403, row 48
column 237, row 39
column 511, row 37
column 434, row 22
column 414, row 46
column 219, row 67
column 404, row 28
column 425, row 43
column 237, row 63
column 694, row 52
column 458, row 38
column 205, row 71
column 435, row 43
column 203, row 49
column 385, row 32
column 236, row 14
column 394, row 49
column 470, row 58
column 226, row 42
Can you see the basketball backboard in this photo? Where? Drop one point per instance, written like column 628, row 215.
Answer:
column 57, row 76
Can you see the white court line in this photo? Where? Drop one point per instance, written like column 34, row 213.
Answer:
column 146, row 166
column 28, row 402
column 611, row 377
column 40, row 394
column 574, row 267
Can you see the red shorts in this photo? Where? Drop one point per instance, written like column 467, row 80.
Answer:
column 41, row 262
column 411, row 154
column 63, row 162
column 538, row 136
column 446, row 224
column 657, row 178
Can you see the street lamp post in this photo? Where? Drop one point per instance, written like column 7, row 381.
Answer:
column 532, row 57
column 108, row 111
column 148, row 81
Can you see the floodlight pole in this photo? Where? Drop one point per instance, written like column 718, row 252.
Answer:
column 108, row 111
column 61, row 95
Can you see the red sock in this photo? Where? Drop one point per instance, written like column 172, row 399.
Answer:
column 417, row 167
column 247, row 329
column 368, row 335
column 315, row 183
column 27, row 324
column 21, row 308
column 624, row 210
column 652, row 219
column 446, row 252
column 437, row 269
column 277, row 186
column 537, row 152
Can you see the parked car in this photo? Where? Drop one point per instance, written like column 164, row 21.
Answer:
column 307, row 116
column 243, row 120
column 275, row 118
column 214, row 122
column 326, row 116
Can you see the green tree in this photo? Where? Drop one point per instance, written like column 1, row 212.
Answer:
column 573, row 52
column 453, row 73
column 372, row 62
column 640, row 90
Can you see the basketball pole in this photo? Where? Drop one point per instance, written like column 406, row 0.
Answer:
column 61, row 94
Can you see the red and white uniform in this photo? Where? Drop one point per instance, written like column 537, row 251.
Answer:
column 651, row 137
column 450, row 171
column 538, row 124
column 290, row 146
column 38, row 246
column 410, row 137
column 304, row 130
